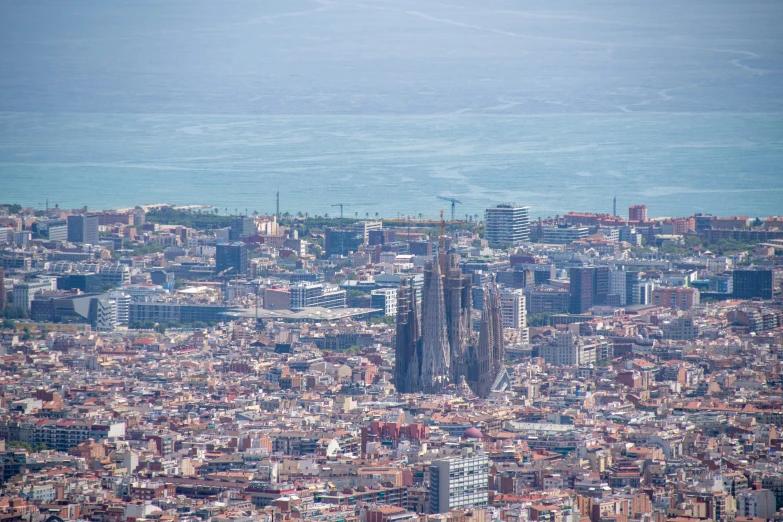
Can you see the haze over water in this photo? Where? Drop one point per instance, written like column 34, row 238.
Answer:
column 384, row 105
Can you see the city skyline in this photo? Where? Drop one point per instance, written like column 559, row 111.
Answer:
column 302, row 368
column 391, row 261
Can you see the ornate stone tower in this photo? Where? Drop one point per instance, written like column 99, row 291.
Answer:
column 407, row 346
column 486, row 358
column 458, row 315
column 435, row 351
column 496, row 315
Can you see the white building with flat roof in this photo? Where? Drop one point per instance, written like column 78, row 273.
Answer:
column 459, row 482
column 507, row 224
column 512, row 307
column 24, row 291
column 307, row 294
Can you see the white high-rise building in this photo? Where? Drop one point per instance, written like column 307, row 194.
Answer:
column 512, row 307
column 385, row 299
column 24, row 292
column 642, row 293
column 507, row 224
column 122, row 307
column 459, row 482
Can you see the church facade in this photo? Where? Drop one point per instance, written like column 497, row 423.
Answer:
column 435, row 345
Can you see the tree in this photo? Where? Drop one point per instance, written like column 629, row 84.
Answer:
column 20, row 444
column 671, row 248
column 160, row 328
column 541, row 319
column 12, row 312
column 13, row 208
column 107, row 286
column 729, row 246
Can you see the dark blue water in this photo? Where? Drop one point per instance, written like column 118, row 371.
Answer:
column 386, row 104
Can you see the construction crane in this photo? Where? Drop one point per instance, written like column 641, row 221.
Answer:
column 341, row 205
column 342, row 235
column 453, row 205
column 453, row 210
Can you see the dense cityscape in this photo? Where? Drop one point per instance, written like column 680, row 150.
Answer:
column 182, row 364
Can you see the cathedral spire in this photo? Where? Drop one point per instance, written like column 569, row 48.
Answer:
column 435, row 362
column 407, row 340
column 496, row 317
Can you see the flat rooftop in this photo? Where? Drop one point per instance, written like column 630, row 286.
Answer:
column 313, row 314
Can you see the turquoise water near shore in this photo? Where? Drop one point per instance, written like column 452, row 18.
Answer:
column 386, row 104
column 677, row 164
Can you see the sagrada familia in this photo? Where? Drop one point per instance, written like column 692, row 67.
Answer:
column 435, row 344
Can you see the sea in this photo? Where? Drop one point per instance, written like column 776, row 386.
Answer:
column 385, row 106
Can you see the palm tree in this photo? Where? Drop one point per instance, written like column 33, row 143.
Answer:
column 376, row 215
column 367, row 214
